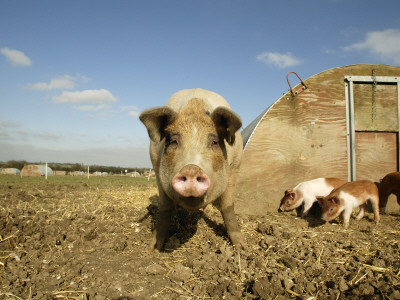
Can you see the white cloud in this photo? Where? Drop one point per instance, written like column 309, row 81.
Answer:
column 8, row 124
column 61, row 82
column 47, row 135
column 82, row 134
column 132, row 110
column 22, row 133
column 329, row 51
column 92, row 107
column 134, row 113
column 4, row 135
column 16, row 58
column 100, row 96
column 382, row 44
column 124, row 139
column 278, row 59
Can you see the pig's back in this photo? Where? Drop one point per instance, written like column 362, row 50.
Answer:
column 315, row 187
column 391, row 179
column 359, row 188
column 213, row 100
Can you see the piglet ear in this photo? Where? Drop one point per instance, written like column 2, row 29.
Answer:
column 227, row 123
column 336, row 200
column 156, row 120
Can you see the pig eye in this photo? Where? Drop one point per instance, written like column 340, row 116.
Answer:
column 173, row 140
column 213, row 142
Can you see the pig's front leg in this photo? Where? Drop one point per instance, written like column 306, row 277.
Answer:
column 362, row 212
column 308, row 203
column 160, row 233
column 346, row 217
column 299, row 211
column 226, row 202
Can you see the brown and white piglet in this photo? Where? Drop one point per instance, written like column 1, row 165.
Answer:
column 306, row 193
column 390, row 184
column 196, row 149
column 344, row 199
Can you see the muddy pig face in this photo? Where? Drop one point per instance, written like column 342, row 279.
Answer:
column 193, row 155
column 331, row 207
column 288, row 202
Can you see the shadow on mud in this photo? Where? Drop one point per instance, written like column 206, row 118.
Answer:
column 314, row 222
column 183, row 225
column 313, row 217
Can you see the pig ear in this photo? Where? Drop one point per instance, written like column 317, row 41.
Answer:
column 227, row 123
column 156, row 119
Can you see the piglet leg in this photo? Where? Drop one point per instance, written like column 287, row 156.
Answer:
column 383, row 199
column 299, row 211
column 346, row 217
column 362, row 212
column 307, row 205
column 375, row 207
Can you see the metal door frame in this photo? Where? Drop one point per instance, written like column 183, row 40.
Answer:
column 351, row 149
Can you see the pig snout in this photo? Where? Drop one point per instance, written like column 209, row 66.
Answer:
column 191, row 181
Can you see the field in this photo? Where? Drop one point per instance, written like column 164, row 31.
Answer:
column 79, row 238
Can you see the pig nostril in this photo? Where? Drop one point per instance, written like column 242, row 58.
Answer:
column 191, row 182
column 201, row 179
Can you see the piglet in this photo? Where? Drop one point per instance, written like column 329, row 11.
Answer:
column 390, row 184
column 344, row 199
column 306, row 193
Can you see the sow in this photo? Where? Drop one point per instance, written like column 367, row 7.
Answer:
column 196, row 149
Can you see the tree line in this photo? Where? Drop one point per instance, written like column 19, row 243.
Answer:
column 19, row 164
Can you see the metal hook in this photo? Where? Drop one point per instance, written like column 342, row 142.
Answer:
column 302, row 88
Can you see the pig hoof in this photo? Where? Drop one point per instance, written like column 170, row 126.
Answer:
column 154, row 244
column 240, row 245
column 238, row 242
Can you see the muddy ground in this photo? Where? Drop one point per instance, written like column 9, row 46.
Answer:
column 74, row 238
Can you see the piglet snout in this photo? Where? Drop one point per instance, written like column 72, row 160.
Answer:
column 191, row 181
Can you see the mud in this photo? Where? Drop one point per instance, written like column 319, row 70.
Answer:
column 74, row 238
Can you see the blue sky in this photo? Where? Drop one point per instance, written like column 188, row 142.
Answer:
column 75, row 75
